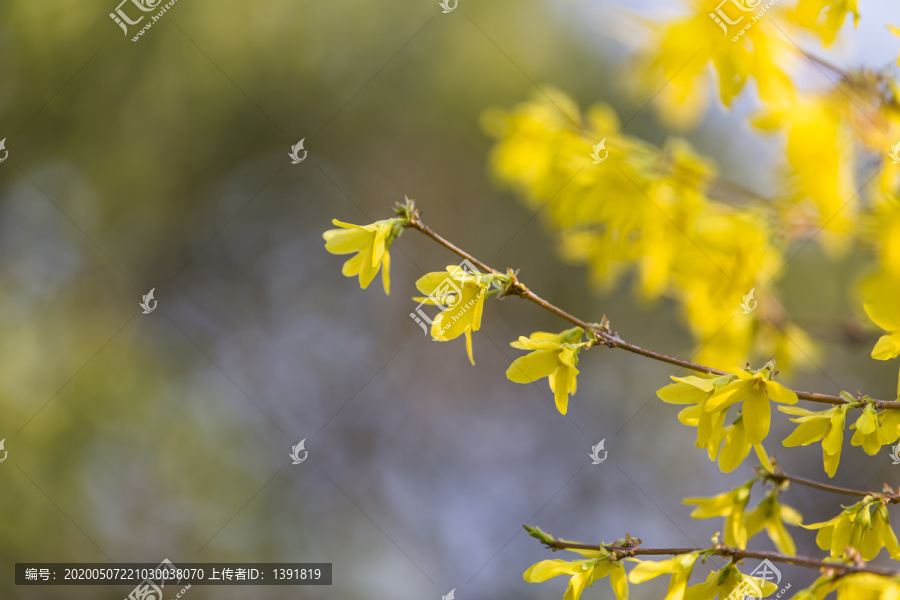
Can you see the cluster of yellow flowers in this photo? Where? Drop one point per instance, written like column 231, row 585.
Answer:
column 661, row 213
column 709, row 400
column 647, row 209
column 857, row 528
column 599, row 564
column 460, row 294
column 740, row 525
column 820, row 127
column 652, row 209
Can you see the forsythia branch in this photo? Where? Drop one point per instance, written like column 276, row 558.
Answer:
column 736, row 554
column 779, row 476
column 601, row 333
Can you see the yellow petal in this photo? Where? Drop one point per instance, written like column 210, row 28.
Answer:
column 343, row 241
column 757, row 416
column 577, row 584
column 834, row 439
column 884, row 312
column 533, row 366
column 386, row 273
column 831, row 462
column 780, row 537
column 887, row 347
column 367, row 270
column 807, row 433
column 439, row 281
column 681, row 393
column 730, row 394
column 379, row 248
column 734, row 450
column 764, row 458
column 702, row 383
column 619, row 581
column 648, row 569
column 779, row 393
column 547, row 569
column 561, row 388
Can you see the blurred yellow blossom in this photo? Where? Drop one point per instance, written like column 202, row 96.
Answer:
column 674, row 64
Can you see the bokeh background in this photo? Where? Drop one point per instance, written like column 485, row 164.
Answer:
column 163, row 164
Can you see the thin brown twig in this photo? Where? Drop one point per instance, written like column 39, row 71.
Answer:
column 780, row 476
column 720, row 550
column 603, row 336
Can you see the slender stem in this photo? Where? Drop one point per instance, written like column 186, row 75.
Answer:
column 780, row 476
column 721, row 550
column 604, row 336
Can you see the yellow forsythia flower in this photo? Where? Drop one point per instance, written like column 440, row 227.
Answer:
column 730, row 444
column 754, row 390
column 371, row 243
column 460, row 294
column 771, row 515
column 678, row 566
column 583, row 573
column 554, row 356
column 827, row 425
column 824, row 17
column 730, row 505
column 737, row 446
column 875, row 429
column 696, row 391
column 856, row 527
column 724, row 583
